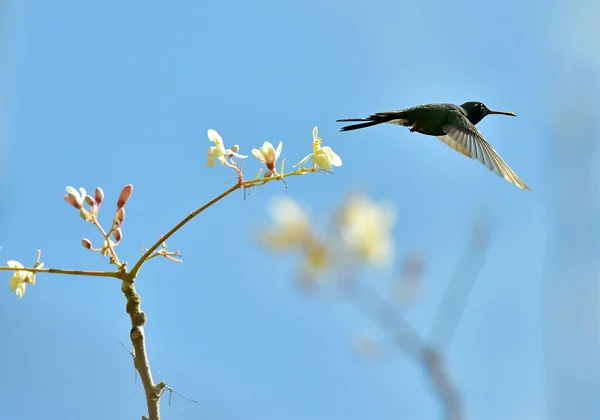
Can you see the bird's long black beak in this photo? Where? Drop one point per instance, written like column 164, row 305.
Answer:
column 512, row 114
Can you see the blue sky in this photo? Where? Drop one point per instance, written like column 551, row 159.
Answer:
column 124, row 92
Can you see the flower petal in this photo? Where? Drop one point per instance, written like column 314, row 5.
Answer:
column 278, row 151
column 333, row 157
column 315, row 133
column 286, row 212
column 214, row 136
column 322, row 160
column 14, row 264
column 210, row 162
column 303, row 161
column 15, row 281
column 236, row 154
column 20, row 290
column 258, row 155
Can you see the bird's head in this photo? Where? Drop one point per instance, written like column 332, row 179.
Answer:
column 476, row 111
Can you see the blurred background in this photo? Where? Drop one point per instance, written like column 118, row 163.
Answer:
column 105, row 94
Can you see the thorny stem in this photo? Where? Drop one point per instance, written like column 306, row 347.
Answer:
column 241, row 184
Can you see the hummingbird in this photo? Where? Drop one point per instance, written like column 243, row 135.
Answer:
column 452, row 124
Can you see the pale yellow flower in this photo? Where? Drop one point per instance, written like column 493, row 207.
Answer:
column 218, row 151
column 20, row 278
column 323, row 158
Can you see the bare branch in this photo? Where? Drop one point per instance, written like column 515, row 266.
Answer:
column 140, row 357
column 114, row 274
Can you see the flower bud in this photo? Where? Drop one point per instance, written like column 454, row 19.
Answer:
column 89, row 200
column 235, row 148
column 118, row 235
column 124, row 196
column 99, row 195
column 106, row 248
column 72, row 201
column 120, row 215
column 85, row 215
column 86, row 243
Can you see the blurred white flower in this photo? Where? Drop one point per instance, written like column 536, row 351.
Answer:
column 293, row 231
column 218, row 151
column 322, row 157
column 20, row 278
column 366, row 228
column 268, row 155
column 293, row 224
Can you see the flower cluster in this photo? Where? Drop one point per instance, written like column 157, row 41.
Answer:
column 361, row 233
column 322, row 158
column 78, row 199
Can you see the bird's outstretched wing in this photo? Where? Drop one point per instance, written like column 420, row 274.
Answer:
column 464, row 137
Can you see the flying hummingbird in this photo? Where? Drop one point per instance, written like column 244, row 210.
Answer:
column 452, row 124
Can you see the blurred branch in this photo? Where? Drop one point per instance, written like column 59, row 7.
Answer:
column 411, row 343
column 454, row 300
column 405, row 337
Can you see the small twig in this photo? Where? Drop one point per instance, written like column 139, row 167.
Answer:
column 133, row 356
column 172, row 391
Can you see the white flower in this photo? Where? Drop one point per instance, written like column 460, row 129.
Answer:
column 218, row 151
column 293, row 224
column 20, row 278
column 78, row 196
column 322, row 157
column 268, row 155
column 366, row 228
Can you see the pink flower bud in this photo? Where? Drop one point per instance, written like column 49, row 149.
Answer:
column 118, row 235
column 120, row 215
column 99, row 195
column 124, row 196
column 72, row 201
column 89, row 200
column 86, row 243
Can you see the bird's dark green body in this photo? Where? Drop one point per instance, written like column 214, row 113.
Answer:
column 452, row 124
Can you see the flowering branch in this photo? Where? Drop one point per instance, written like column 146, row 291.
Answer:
column 192, row 215
column 323, row 159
